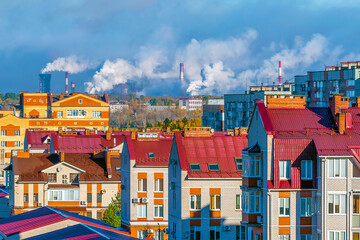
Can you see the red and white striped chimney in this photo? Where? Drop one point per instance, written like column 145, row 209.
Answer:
column 279, row 72
column 73, row 86
column 66, row 82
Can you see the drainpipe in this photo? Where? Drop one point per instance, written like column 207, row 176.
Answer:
column 324, row 209
column 269, row 215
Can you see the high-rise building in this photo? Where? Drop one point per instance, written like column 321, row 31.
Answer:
column 213, row 114
column 45, row 80
column 320, row 85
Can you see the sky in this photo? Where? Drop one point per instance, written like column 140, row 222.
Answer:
column 225, row 46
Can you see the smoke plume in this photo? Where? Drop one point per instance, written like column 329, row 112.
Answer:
column 71, row 64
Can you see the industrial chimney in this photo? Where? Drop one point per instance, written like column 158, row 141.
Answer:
column 66, row 82
column 279, row 72
column 72, row 86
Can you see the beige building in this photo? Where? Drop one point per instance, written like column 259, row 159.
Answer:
column 205, row 175
column 77, row 182
column 144, row 176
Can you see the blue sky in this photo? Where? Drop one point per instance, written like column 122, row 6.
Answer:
column 225, row 45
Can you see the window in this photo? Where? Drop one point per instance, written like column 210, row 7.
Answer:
column 96, row 114
column 284, row 206
column 36, row 197
column 3, row 143
column 241, row 232
column 76, row 113
column 350, row 83
column 80, row 101
column 305, row 210
column 159, row 185
column 306, row 169
column 305, row 237
column 141, row 234
column 251, row 166
column 142, row 211
column 337, row 167
column 60, row 114
column 63, row 195
column 356, row 198
column 214, row 232
column 142, row 185
column 89, row 197
column 215, row 202
column 195, row 233
column 99, row 197
column 238, row 162
column 2, row 174
column 89, row 214
column 356, row 236
column 151, row 155
column 17, row 143
column 158, row 235
column 238, row 202
column 213, row 166
column 26, row 197
column 3, row 132
column 285, row 169
column 195, row 167
column 17, row 132
column 284, row 237
column 337, row 235
column 251, row 202
column 159, row 211
column 337, row 203
column 74, row 178
column 99, row 215
column 195, row 202
column 52, row 177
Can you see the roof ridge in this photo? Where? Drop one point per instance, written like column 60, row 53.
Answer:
column 55, row 210
column 90, row 227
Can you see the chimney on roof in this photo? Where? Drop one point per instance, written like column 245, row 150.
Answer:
column 237, row 131
column 222, row 118
column 62, row 156
column 343, row 120
column 114, row 142
column 108, row 163
column 133, row 135
column 108, row 134
column 357, row 102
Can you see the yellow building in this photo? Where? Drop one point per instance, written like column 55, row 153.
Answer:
column 49, row 111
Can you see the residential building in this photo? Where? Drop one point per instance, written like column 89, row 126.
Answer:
column 159, row 108
column 52, row 223
column 78, row 182
column 117, row 106
column 190, row 104
column 144, row 177
column 205, row 175
column 238, row 107
column 4, row 203
column 216, row 101
column 301, row 170
column 320, row 85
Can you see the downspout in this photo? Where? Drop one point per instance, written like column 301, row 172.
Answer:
column 269, row 215
column 324, row 210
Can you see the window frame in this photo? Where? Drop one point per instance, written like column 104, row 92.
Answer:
column 240, row 163
column 342, row 208
column 3, row 133
column 196, row 202
column 17, row 133
column 249, row 202
column 62, row 194
column 332, row 176
column 59, row 114
column 340, row 232
column 140, row 214
column 307, row 163
column 307, row 212
column 238, row 200
column 158, row 185
column 285, row 200
column 157, row 211
column 143, row 185
column 286, row 170
column 194, row 164
column 96, row 114
column 251, row 165
column 52, row 179
column 213, row 165
column 216, row 200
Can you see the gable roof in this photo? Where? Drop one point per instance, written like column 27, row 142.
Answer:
column 215, row 149
column 59, row 99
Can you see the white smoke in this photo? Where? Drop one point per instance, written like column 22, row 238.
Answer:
column 71, row 64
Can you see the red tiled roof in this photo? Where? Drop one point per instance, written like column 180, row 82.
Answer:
column 36, row 139
column 214, row 149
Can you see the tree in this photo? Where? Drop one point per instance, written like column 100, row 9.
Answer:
column 12, row 96
column 153, row 101
column 112, row 214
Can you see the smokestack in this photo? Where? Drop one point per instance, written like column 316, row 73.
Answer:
column 72, row 86
column 182, row 73
column 279, row 72
column 66, row 82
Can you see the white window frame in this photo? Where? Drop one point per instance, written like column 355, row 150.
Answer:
column 96, row 114
column 305, row 165
column 307, row 212
column 142, row 210
column 284, row 237
column 141, row 234
column 17, row 144
column 3, row 144
column 3, row 132
column 216, row 196
column 157, row 184
column 17, row 133
column 142, row 185
column 157, row 211
column 195, row 198
column 286, row 204
column 64, row 194
column 285, row 169
column 342, row 208
column 75, row 113
column 342, row 168
column 59, row 114
column 339, row 234
column 240, row 202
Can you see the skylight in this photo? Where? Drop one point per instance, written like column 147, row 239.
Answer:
column 238, row 162
column 213, row 167
column 151, row 155
column 195, row 167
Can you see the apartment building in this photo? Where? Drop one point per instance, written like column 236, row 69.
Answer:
column 213, row 114
column 144, row 177
column 205, row 175
column 78, row 182
column 239, row 107
column 320, row 85
column 301, row 171
column 118, row 107
column 190, row 104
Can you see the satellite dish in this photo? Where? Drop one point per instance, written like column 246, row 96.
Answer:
column 59, row 169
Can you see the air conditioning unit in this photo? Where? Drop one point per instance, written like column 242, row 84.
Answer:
column 227, row 228
column 172, row 186
column 82, row 203
column 65, row 176
column 65, row 181
column 150, row 230
column 39, row 204
column 103, row 191
column 259, row 219
column 259, row 183
column 167, row 230
column 144, row 200
column 135, row 200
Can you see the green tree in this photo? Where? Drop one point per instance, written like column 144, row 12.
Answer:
column 13, row 96
column 112, row 214
column 153, row 101
column 167, row 122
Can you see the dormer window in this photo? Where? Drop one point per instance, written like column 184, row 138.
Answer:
column 195, row 167
column 213, row 167
column 238, row 162
column 151, row 155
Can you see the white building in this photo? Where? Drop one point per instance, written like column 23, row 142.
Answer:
column 190, row 104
